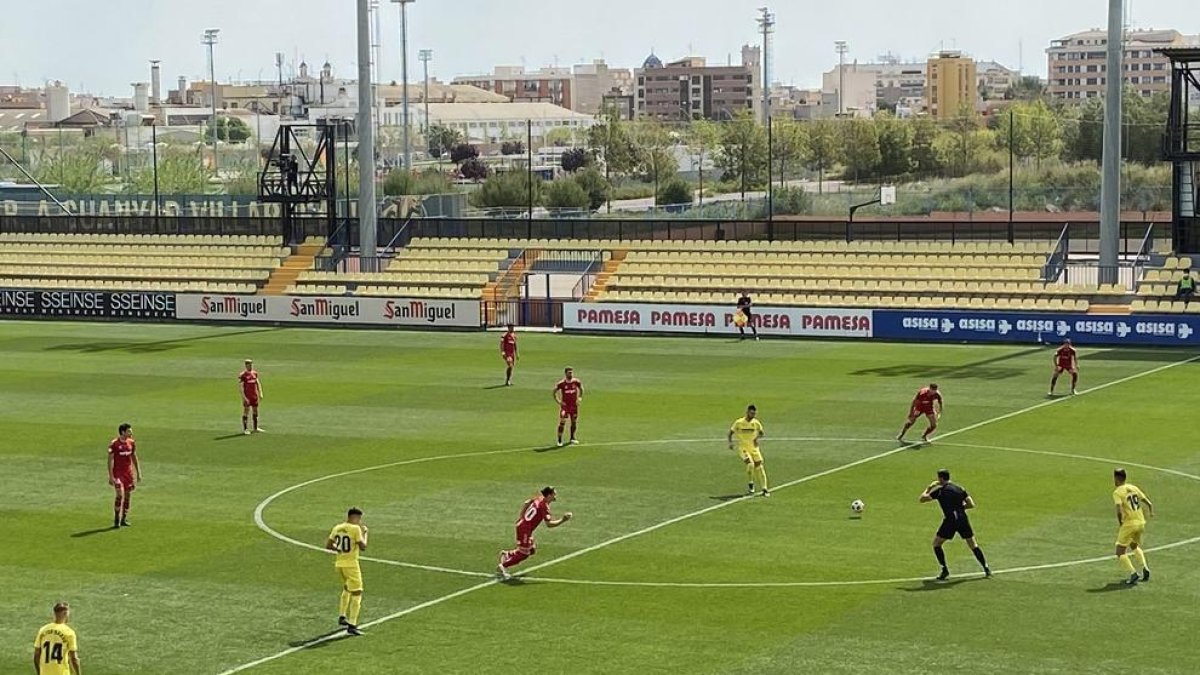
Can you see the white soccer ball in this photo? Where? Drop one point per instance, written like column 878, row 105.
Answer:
column 857, row 506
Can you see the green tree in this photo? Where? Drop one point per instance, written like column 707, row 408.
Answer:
column 180, row 172
column 674, row 192
column 1085, row 132
column 613, row 143
column 743, row 153
column 654, row 142
column 789, row 146
column 824, row 148
column 232, row 130
column 566, row 193
column 82, row 170
column 575, row 159
column 860, row 148
column 473, row 168
column 594, row 184
column 964, row 145
column 1028, row 88
column 924, row 155
column 440, row 139
column 1045, row 132
column 895, row 145
column 702, row 139
column 1145, row 121
column 509, row 189
column 399, row 182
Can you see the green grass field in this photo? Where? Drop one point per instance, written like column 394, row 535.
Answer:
column 662, row 570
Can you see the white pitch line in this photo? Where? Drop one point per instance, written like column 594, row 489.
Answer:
column 471, row 589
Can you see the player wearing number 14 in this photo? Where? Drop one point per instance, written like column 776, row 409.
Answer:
column 55, row 649
column 346, row 540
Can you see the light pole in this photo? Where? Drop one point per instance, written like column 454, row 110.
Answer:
column 842, row 48
column 766, row 24
column 210, row 39
column 426, row 55
column 404, row 78
column 376, row 69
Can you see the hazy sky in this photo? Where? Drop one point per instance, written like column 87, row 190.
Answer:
column 105, row 46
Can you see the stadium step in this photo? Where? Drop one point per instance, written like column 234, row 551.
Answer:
column 287, row 273
column 611, row 266
column 1119, row 309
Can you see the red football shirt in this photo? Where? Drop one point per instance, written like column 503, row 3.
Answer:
column 122, row 451
column 249, row 380
column 533, row 513
column 925, row 398
column 508, row 344
column 1066, row 354
column 569, row 389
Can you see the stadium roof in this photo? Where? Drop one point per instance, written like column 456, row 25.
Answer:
column 15, row 119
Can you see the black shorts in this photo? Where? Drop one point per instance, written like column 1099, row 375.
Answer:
column 745, row 310
column 952, row 526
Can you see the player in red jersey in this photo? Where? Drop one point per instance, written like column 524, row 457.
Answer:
column 927, row 402
column 124, row 473
column 568, row 393
column 533, row 513
column 508, row 350
column 251, row 396
column 1065, row 359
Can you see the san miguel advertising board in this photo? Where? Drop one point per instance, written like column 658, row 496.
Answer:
column 345, row 310
column 716, row 319
column 33, row 303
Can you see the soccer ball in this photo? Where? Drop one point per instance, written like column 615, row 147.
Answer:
column 857, row 506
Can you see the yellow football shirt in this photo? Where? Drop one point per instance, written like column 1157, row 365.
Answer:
column 57, row 641
column 1129, row 498
column 345, row 542
column 746, row 432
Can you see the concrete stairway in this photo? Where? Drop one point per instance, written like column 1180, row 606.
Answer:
column 606, row 274
column 286, row 274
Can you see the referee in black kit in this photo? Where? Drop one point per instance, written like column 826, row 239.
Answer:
column 744, row 307
column 954, row 501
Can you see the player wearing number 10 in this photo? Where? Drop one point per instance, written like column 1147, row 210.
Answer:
column 1131, row 518
column 55, row 650
column 346, row 540
column 534, row 512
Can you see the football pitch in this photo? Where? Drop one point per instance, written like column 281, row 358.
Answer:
column 665, row 568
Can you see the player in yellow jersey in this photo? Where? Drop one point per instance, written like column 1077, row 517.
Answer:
column 1132, row 508
column 55, row 650
column 346, row 540
column 747, row 431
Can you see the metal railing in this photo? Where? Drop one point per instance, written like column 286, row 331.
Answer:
column 1057, row 260
column 536, row 313
column 1142, row 258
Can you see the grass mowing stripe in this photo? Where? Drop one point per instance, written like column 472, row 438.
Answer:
column 471, row 589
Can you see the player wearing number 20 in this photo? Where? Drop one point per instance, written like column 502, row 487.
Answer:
column 1131, row 518
column 55, row 650
column 534, row 512
column 346, row 540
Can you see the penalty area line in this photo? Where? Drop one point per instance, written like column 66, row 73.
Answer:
column 687, row 516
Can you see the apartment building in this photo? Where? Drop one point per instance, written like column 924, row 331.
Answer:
column 950, row 84
column 1077, row 64
column 692, row 89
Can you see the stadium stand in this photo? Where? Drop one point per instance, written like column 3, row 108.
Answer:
column 182, row 263
column 426, row 268
column 1156, row 292
column 933, row 275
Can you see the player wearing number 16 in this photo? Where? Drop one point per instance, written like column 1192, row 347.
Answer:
column 1132, row 508
column 55, row 650
column 346, row 540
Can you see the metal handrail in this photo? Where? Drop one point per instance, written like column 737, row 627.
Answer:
column 1056, row 262
column 1142, row 257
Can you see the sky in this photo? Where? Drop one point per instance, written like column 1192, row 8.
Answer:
column 104, row 47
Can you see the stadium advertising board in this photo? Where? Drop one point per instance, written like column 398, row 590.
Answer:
column 344, row 310
column 655, row 318
column 87, row 304
column 1158, row 329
